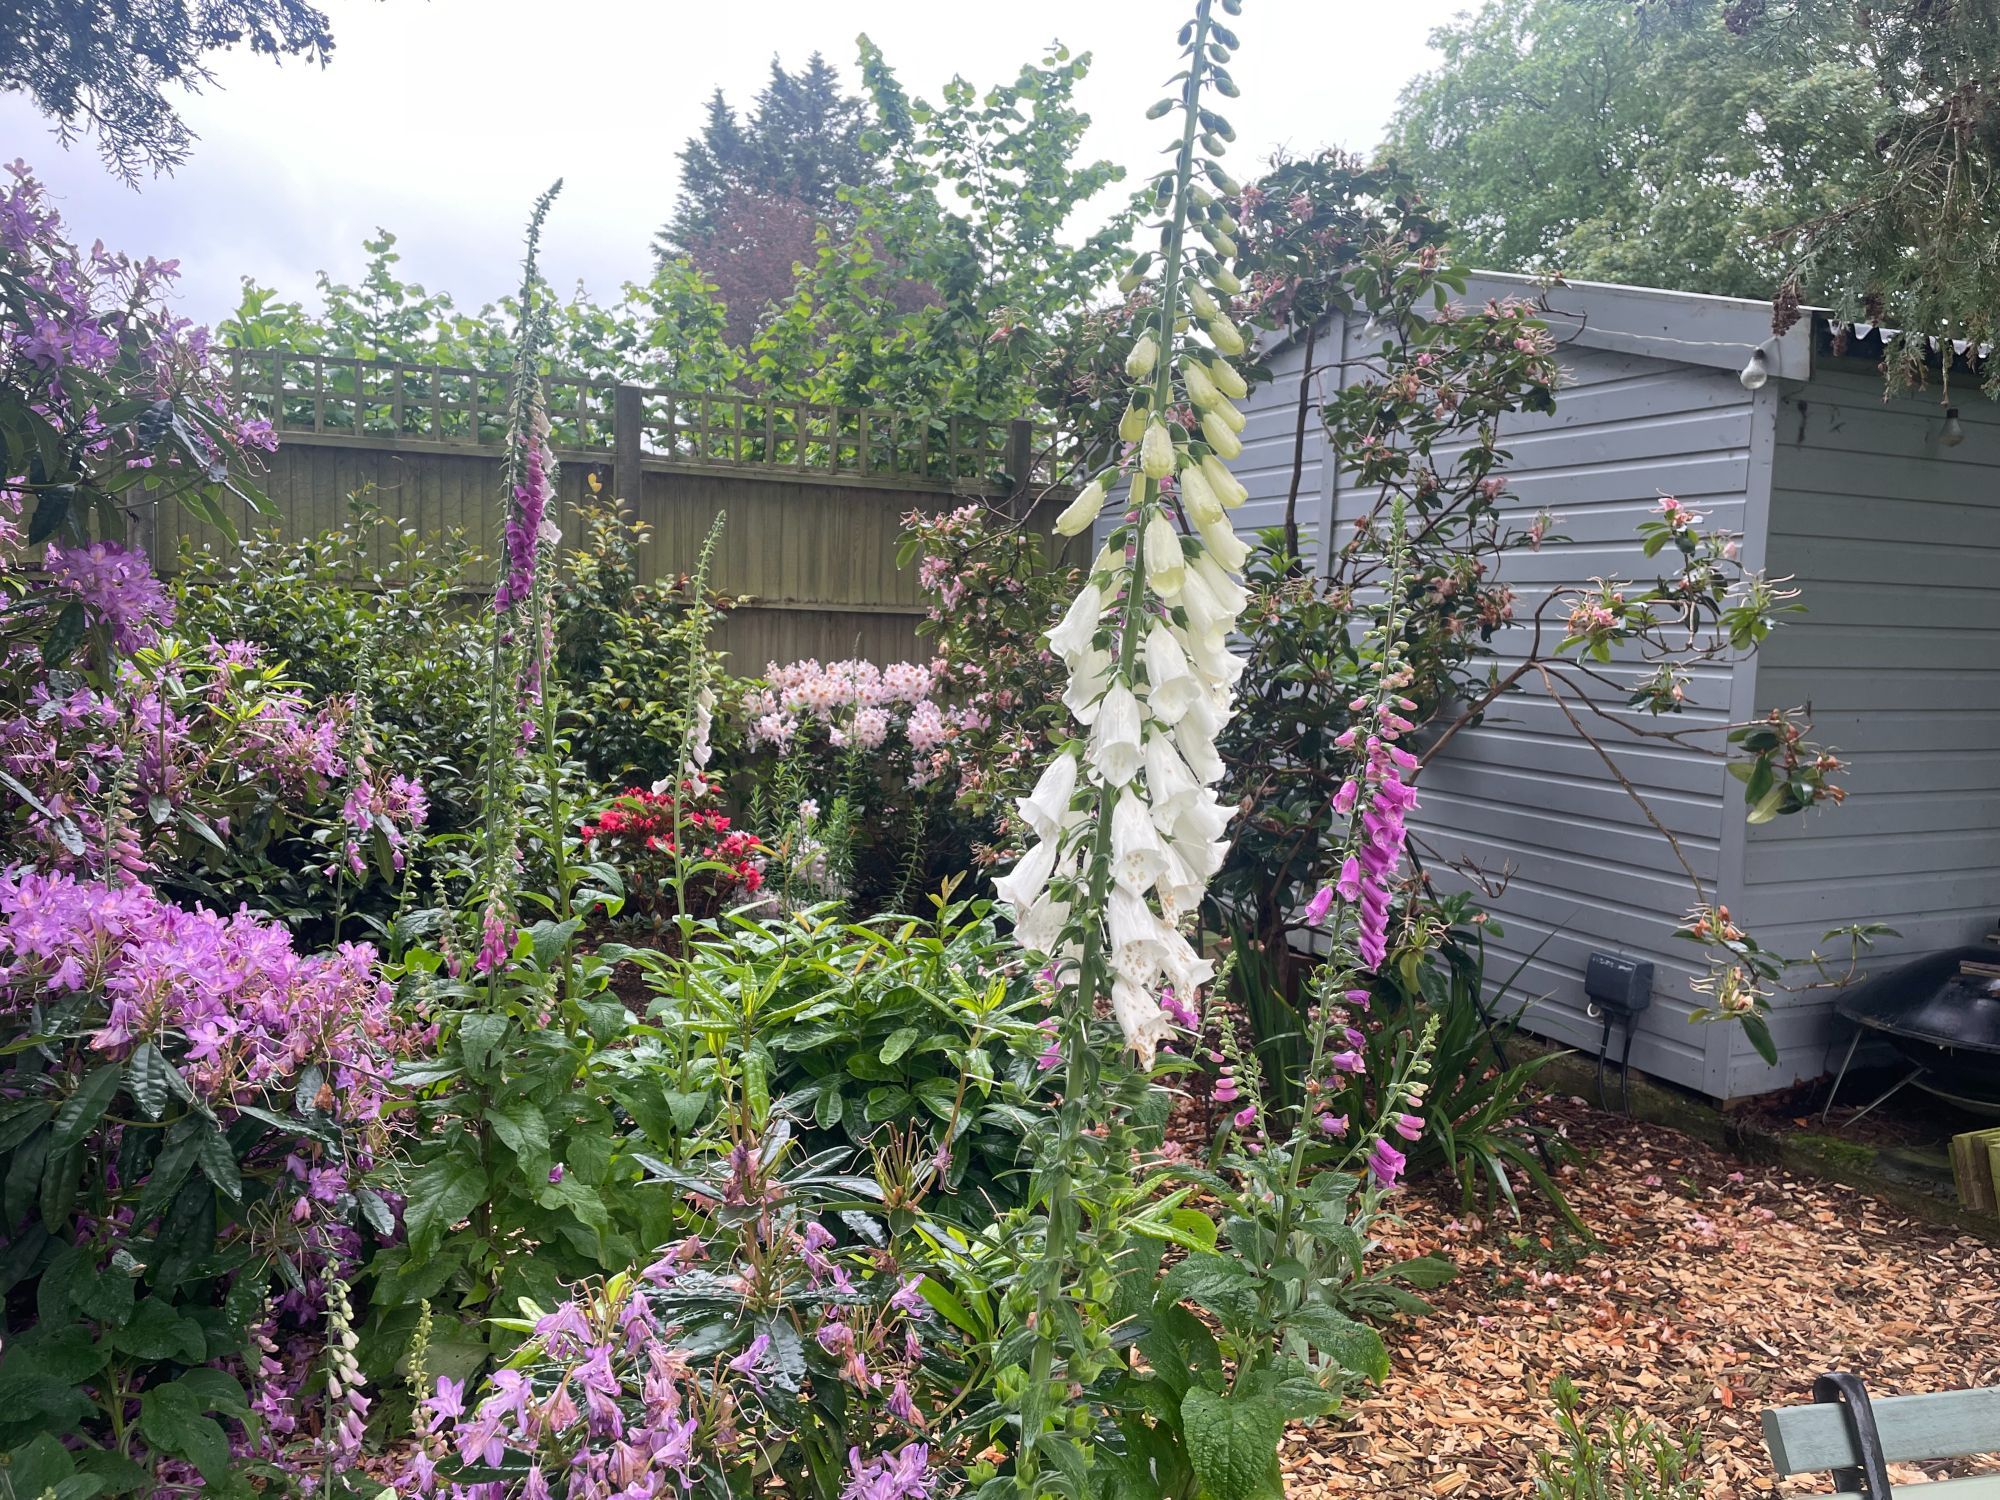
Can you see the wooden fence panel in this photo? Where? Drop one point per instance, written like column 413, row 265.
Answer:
column 815, row 496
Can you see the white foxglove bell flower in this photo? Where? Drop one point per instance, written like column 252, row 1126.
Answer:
column 1213, row 660
column 1220, row 435
column 1145, row 354
column 1089, row 676
column 1227, row 379
column 1224, row 334
column 1047, row 806
column 1228, row 488
column 1206, row 615
column 1022, row 885
column 1194, row 737
column 1228, row 549
column 1202, row 821
column 1170, row 686
column 1039, row 929
column 1115, row 749
column 1156, row 451
column 1137, row 856
column 1132, row 425
column 1180, row 886
column 1140, row 1018
column 1205, row 305
column 1141, row 943
column 1170, row 785
column 1198, row 495
column 1166, row 564
column 1224, row 589
column 1228, row 280
column 1186, row 970
column 1075, row 632
column 1078, row 516
column 1201, row 390
column 1229, row 416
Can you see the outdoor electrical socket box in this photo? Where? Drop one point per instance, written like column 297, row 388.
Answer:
column 1620, row 984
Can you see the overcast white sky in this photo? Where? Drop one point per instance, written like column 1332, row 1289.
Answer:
column 441, row 120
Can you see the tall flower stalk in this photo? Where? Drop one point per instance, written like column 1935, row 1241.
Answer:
column 517, row 664
column 1127, row 824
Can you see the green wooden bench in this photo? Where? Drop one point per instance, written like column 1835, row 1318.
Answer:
column 1856, row 1438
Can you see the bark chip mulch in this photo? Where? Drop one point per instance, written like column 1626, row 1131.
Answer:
column 1717, row 1289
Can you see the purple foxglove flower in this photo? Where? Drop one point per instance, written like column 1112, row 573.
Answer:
column 1386, row 1163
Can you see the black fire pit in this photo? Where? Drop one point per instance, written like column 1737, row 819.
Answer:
column 1942, row 1015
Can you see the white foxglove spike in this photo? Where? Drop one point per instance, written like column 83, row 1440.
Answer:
column 1140, row 1018
column 1166, row 564
column 1214, row 661
column 1170, row 686
column 1221, row 436
column 1020, row 886
column 1115, row 748
column 1226, row 546
column 1137, row 855
column 1081, row 513
column 1045, row 808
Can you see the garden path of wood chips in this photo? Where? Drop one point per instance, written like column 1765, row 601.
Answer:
column 1719, row 1288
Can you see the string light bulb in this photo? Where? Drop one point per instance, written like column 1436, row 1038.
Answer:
column 1954, row 430
column 1757, row 371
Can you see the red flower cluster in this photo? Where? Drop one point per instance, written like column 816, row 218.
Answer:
column 637, row 832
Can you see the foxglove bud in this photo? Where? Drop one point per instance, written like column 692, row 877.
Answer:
column 1225, row 546
column 1228, row 280
column 1132, row 426
column 1201, row 390
column 1139, row 363
column 1224, row 334
column 1078, row 516
column 1166, row 565
column 1199, row 496
column 1156, row 451
column 1205, row 305
column 1220, row 436
column 1224, row 374
column 1230, row 416
column 1228, row 489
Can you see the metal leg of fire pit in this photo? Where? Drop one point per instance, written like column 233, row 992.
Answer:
column 1893, row 1089
column 1840, row 1077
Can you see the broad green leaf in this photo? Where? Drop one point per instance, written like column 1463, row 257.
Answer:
column 83, row 1109
column 1233, row 1444
column 441, row 1195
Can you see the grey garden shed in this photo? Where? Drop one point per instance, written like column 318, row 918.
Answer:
column 1891, row 531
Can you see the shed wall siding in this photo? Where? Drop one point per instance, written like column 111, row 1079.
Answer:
column 1895, row 541
column 1523, row 796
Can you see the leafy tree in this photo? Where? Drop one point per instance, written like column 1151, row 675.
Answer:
column 754, row 190
column 1910, row 236
column 106, row 68
column 1577, row 136
column 979, row 190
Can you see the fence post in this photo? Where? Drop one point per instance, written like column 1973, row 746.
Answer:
column 1020, row 464
column 628, row 432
